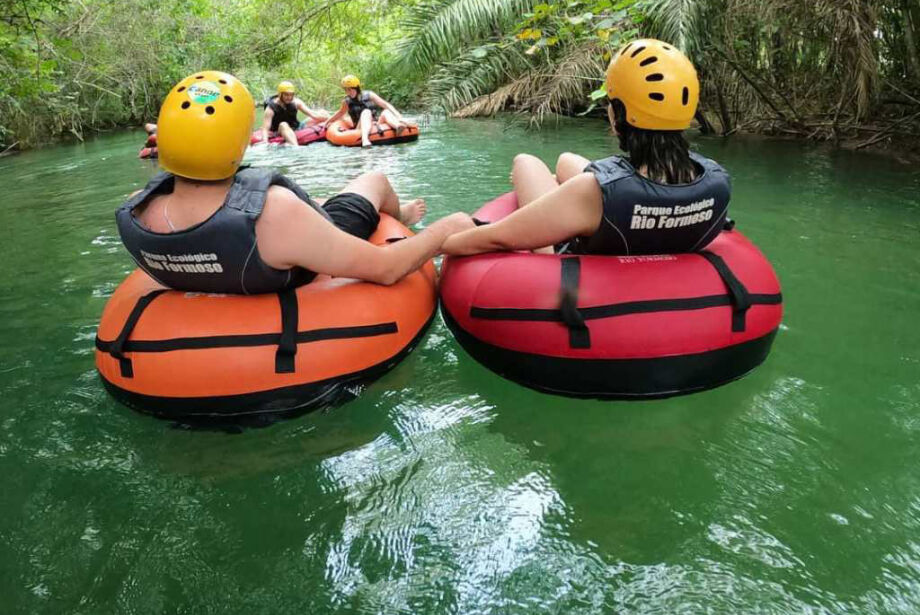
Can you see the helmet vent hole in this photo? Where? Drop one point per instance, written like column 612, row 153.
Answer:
column 656, row 96
column 181, row 89
column 209, row 110
column 199, row 76
column 655, row 77
column 230, row 98
column 637, row 52
column 686, row 96
column 666, row 48
column 224, row 81
column 625, row 49
column 648, row 61
column 186, row 105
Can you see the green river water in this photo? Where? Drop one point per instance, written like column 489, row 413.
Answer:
column 445, row 489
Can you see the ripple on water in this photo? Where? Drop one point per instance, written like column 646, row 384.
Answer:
column 444, row 489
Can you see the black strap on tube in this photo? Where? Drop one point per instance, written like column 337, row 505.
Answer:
column 579, row 335
column 287, row 344
column 741, row 298
column 117, row 349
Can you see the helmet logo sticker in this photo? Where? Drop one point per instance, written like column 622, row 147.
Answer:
column 203, row 92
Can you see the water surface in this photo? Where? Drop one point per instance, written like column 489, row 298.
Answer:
column 445, row 489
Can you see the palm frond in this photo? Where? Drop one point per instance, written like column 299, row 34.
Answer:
column 680, row 22
column 853, row 25
column 439, row 30
column 457, row 83
column 569, row 81
column 510, row 94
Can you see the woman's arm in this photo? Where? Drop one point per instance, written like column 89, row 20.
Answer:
column 571, row 210
column 342, row 110
column 290, row 233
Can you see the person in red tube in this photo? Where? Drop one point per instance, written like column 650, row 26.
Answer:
column 660, row 198
column 280, row 117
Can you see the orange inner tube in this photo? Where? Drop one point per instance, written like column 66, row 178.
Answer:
column 191, row 353
column 341, row 133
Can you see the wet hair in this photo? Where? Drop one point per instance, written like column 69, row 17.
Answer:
column 664, row 153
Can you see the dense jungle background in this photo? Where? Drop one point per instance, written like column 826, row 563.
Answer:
column 844, row 71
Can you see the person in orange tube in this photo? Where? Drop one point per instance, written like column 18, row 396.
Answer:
column 207, row 225
column 660, row 198
column 365, row 109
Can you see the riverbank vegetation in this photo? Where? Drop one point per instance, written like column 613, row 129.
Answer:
column 845, row 71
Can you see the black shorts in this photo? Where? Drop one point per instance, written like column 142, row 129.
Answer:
column 353, row 213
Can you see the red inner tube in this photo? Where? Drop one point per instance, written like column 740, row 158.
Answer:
column 687, row 315
column 305, row 136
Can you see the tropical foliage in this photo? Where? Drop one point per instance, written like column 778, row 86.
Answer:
column 846, row 70
column 540, row 57
column 68, row 66
column 842, row 70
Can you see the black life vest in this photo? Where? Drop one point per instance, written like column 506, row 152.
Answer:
column 219, row 255
column 644, row 217
column 356, row 106
column 282, row 113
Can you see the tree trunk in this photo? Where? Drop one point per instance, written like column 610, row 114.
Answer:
column 706, row 126
column 911, row 24
column 724, row 115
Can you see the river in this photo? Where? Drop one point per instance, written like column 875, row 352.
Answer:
column 444, row 488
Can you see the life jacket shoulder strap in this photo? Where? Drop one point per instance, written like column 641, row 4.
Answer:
column 709, row 165
column 250, row 188
column 610, row 170
column 247, row 194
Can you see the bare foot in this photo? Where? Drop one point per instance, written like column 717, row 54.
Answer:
column 365, row 143
column 412, row 212
column 401, row 128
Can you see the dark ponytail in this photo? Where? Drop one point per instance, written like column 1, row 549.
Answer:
column 664, row 153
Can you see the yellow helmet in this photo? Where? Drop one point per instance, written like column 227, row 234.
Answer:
column 350, row 81
column 656, row 83
column 204, row 126
column 286, row 87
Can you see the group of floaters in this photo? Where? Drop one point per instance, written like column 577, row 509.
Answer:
column 620, row 278
column 363, row 119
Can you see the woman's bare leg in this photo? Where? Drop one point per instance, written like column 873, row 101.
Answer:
column 569, row 165
column 367, row 122
column 532, row 179
column 388, row 119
